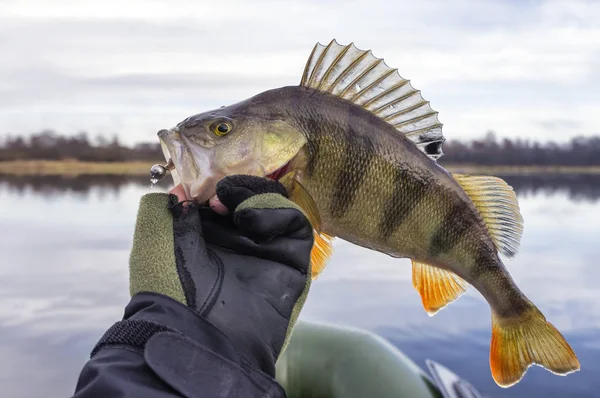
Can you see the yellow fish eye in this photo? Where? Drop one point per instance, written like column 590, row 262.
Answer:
column 221, row 128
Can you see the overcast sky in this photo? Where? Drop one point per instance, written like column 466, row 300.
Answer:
column 522, row 68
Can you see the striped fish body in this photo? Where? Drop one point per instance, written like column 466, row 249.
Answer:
column 374, row 188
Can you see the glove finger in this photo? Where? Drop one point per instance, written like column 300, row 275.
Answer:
column 279, row 228
column 233, row 190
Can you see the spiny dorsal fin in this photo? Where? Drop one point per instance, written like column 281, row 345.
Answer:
column 361, row 78
column 437, row 287
column 497, row 203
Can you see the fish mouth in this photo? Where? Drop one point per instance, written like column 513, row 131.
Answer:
column 183, row 167
column 192, row 166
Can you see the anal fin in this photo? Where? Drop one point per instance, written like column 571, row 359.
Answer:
column 437, row 287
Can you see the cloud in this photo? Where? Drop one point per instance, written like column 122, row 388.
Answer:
column 560, row 124
column 139, row 66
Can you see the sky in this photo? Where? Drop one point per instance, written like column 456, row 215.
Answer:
column 522, row 68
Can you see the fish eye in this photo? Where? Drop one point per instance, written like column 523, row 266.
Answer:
column 220, row 128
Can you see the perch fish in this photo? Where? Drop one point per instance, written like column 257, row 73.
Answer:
column 356, row 146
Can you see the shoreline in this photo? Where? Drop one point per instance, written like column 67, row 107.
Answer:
column 520, row 170
column 74, row 168
column 142, row 168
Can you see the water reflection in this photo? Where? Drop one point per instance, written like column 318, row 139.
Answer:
column 579, row 187
column 65, row 246
column 80, row 185
column 468, row 354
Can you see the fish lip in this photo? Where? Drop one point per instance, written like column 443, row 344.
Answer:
column 176, row 153
column 166, row 142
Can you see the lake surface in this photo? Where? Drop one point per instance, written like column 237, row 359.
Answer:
column 63, row 281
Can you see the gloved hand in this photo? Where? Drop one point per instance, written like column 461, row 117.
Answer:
column 247, row 273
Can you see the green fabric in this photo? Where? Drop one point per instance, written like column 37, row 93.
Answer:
column 152, row 265
column 276, row 201
column 268, row 201
column 296, row 311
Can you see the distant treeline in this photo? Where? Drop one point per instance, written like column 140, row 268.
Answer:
column 579, row 151
column 49, row 145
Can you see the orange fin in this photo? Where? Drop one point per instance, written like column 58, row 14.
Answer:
column 437, row 287
column 299, row 195
column 320, row 253
column 518, row 343
column 322, row 247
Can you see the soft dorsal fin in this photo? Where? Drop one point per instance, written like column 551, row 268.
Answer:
column 361, row 78
column 497, row 203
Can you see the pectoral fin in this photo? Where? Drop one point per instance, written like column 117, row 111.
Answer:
column 322, row 247
column 437, row 287
column 320, row 253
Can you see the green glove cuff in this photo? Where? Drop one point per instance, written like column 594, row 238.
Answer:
column 152, row 265
column 268, row 201
column 296, row 312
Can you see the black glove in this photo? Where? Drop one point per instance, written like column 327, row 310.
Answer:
column 247, row 274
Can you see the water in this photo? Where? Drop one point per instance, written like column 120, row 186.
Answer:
column 63, row 281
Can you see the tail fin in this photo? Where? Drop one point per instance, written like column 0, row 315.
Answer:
column 521, row 342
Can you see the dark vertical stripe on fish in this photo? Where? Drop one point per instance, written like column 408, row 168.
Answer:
column 310, row 126
column 357, row 157
column 408, row 193
column 454, row 225
column 313, row 155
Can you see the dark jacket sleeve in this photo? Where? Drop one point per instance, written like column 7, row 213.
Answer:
column 163, row 349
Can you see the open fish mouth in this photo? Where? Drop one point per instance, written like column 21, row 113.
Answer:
column 185, row 169
column 167, row 145
column 193, row 166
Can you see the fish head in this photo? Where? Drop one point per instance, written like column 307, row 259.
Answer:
column 206, row 147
